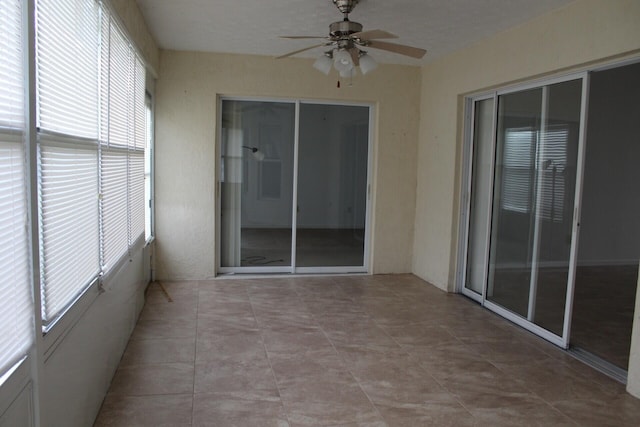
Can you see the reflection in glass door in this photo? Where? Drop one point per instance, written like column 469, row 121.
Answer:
column 534, row 191
column 293, row 187
column 525, row 263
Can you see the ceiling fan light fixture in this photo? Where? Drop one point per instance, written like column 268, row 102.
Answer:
column 342, row 60
column 367, row 63
column 324, row 64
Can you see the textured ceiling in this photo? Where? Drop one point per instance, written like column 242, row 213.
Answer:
column 253, row 26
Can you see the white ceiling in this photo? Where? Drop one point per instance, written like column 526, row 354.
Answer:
column 253, row 26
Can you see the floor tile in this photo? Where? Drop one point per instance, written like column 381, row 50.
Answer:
column 243, row 380
column 154, row 351
column 214, row 410
column 294, row 339
column 241, row 347
column 166, row 378
column 289, row 366
column 618, row 411
column 327, row 400
column 168, row 410
column 436, row 414
column 554, row 382
column 540, row 415
column 184, row 327
column 421, row 334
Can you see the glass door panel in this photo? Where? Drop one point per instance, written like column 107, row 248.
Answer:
column 333, row 152
column 609, row 249
column 533, row 202
column 257, row 157
column 481, row 185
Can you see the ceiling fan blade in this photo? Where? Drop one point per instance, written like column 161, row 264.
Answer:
column 374, row 34
column 300, row 50
column 355, row 56
column 413, row 52
column 303, row 37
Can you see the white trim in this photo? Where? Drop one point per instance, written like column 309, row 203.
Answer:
column 294, row 195
column 464, row 221
column 577, row 207
column 368, row 253
column 36, row 360
column 255, row 270
column 488, row 234
column 537, row 217
column 608, row 262
column 540, row 83
column 217, row 184
column 329, row 270
column 524, row 323
column 469, row 152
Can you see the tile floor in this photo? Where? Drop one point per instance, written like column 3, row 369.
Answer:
column 346, row 351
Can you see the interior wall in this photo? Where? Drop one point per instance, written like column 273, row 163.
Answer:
column 186, row 132
column 610, row 230
column 582, row 32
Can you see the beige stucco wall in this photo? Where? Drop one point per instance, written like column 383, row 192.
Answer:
column 186, row 92
column 583, row 32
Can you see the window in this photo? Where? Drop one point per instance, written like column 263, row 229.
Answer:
column 15, row 289
column 91, row 138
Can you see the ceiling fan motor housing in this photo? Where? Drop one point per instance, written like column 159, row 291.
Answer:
column 344, row 28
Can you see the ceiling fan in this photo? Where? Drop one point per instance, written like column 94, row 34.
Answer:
column 345, row 40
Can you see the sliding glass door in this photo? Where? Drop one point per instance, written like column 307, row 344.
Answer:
column 521, row 238
column 293, row 187
column 332, row 181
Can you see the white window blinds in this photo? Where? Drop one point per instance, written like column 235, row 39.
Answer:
column 16, row 330
column 519, row 158
column 67, row 47
column 88, row 91
column 122, row 146
column 67, row 67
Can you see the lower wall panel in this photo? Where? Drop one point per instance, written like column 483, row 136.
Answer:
column 20, row 412
column 77, row 375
